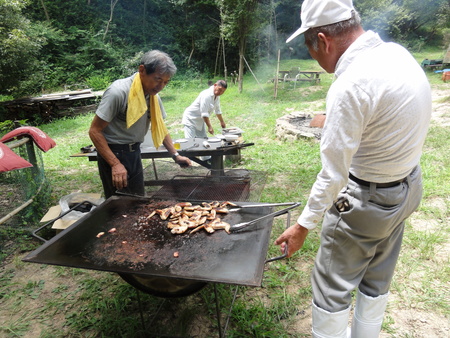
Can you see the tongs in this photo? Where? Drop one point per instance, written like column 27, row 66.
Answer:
column 239, row 226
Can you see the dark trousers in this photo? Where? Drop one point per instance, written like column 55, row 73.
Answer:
column 130, row 157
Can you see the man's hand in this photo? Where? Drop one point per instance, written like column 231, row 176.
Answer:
column 119, row 175
column 294, row 237
column 184, row 162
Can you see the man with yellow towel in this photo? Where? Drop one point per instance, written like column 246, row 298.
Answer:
column 129, row 107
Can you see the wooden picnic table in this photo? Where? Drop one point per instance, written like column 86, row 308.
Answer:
column 292, row 75
column 190, row 147
column 312, row 76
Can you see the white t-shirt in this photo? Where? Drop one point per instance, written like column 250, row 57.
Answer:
column 203, row 106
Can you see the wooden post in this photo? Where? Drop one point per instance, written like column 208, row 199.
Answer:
column 276, row 75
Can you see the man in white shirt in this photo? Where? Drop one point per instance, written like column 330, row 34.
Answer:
column 196, row 117
column 377, row 120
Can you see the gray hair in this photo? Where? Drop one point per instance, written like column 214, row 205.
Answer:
column 334, row 30
column 157, row 61
column 222, row 83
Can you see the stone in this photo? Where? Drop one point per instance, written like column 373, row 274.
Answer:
column 296, row 125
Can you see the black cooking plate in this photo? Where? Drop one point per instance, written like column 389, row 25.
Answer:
column 236, row 258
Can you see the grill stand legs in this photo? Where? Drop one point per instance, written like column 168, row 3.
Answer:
column 222, row 333
column 231, row 309
column 140, row 309
column 219, row 325
column 217, row 311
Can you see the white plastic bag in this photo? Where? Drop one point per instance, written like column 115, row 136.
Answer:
column 69, row 201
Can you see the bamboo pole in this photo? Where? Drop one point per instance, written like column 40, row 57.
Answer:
column 23, row 206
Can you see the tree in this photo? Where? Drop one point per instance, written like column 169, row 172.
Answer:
column 410, row 22
column 17, row 47
column 113, row 4
column 238, row 17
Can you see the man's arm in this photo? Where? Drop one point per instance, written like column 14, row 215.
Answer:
column 208, row 125
column 181, row 160
column 222, row 122
column 119, row 173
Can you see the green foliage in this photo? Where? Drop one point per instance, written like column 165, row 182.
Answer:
column 410, row 22
column 74, row 44
column 99, row 82
column 17, row 47
column 8, row 125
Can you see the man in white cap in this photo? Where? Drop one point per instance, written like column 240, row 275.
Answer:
column 377, row 120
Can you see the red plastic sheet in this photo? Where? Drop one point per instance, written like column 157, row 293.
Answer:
column 9, row 160
column 42, row 140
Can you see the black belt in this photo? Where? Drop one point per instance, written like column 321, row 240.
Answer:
column 125, row 147
column 378, row 185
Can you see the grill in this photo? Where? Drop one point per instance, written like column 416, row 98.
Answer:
column 236, row 258
column 147, row 259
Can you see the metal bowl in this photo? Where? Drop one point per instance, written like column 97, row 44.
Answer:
column 163, row 287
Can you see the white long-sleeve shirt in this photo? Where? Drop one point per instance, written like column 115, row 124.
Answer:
column 203, row 106
column 378, row 112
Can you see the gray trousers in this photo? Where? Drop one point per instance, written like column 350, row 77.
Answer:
column 360, row 247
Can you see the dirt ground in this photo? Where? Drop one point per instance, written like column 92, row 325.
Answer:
column 409, row 319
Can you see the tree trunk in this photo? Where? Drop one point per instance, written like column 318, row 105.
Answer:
column 217, row 57
column 47, row 17
column 144, row 23
column 241, row 63
column 192, row 51
column 224, row 62
column 113, row 4
column 274, row 27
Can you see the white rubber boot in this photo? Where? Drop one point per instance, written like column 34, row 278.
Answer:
column 368, row 315
column 329, row 324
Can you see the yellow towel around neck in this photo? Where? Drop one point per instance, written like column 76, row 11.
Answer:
column 137, row 106
column 158, row 127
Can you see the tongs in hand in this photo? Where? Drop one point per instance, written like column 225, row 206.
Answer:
column 240, row 226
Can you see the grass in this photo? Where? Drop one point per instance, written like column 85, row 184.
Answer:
column 46, row 301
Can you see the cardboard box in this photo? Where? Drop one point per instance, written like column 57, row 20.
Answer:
column 55, row 212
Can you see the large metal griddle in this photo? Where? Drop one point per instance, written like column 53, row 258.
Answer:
column 237, row 258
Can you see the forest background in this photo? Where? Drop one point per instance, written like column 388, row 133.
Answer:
column 48, row 45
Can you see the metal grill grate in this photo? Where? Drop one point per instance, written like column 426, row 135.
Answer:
column 166, row 180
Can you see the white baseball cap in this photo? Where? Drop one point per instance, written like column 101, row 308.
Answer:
column 316, row 13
